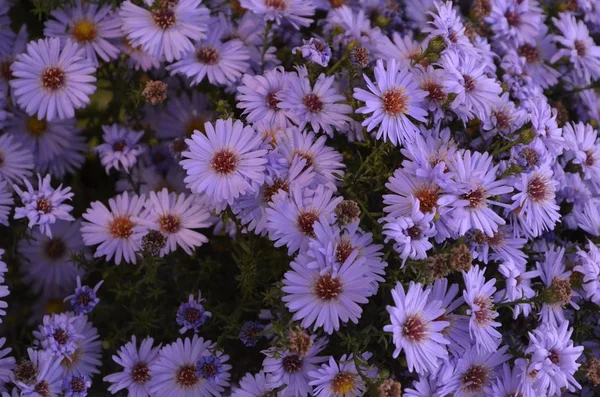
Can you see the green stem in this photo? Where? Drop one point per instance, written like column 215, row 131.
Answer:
column 265, row 43
column 339, row 63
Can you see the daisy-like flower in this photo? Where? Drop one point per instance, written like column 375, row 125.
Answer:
column 475, row 92
column 90, row 26
column 518, row 286
column 583, row 149
column 138, row 59
column 84, row 300
column 534, row 205
column 355, row 25
column 58, row 146
column 6, row 201
column 505, row 117
column 315, row 50
column 166, row 31
column 290, row 370
column 51, row 80
column 337, row 379
column 118, row 229
column 516, row 22
column 175, row 371
column 410, row 234
column 135, row 376
column 184, row 114
column 578, row 47
column 76, row 386
column 258, row 97
column 221, row 62
column 589, row 266
column 17, row 162
column 554, row 356
column 58, row 334
column 316, row 105
column 297, row 12
column 7, row 364
column 403, row 48
column 191, row 314
column 391, row 100
column 120, row 149
column 416, row 329
column 474, row 373
column 86, row 358
column 537, row 57
column 226, row 162
column 476, row 184
column 47, row 262
column 291, row 216
column 447, row 24
column 324, row 298
column 43, row 206
column 252, row 386
column 558, row 293
column 589, row 218
column 251, row 332
column 478, row 294
column 175, row 216
column 40, row 375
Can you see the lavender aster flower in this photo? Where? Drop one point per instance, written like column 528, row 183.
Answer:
column 58, row 334
column 120, row 149
column 175, row 372
column 393, row 98
column 516, row 22
column 447, row 24
column 17, row 162
column 7, row 365
column 44, row 375
column 478, row 294
column 337, row 379
column 416, row 329
column 90, row 26
column 167, row 31
column 192, row 315
column 118, row 230
column 135, row 361
column 252, row 386
column 51, row 80
column 225, row 163
column 209, row 368
column 297, row 12
column 583, row 149
column 318, row 105
column 315, row 50
column 76, row 386
column 43, row 206
column 589, row 266
column 251, row 332
column 84, row 300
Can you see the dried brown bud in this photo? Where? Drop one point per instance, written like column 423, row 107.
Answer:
column 360, row 57
column 389, row 388
column 347, row 212
column 481, row 9
column 438, row 266
column 155, row 92
column 460, row 258
column 153, row 242
column 299, row 342
column 562, row 115
column 561, row 291
column 593, row 371
column 26, row 372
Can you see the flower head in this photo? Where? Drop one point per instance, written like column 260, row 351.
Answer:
column 120, row 149
column 192, row 315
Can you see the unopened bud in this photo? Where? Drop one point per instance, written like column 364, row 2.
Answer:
column 461, row 258
column 360, row 57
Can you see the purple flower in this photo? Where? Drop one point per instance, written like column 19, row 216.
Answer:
column 447, row 24
column 337, row 379
column 589, row 266
column 44, row 206
column 192, row 315
column 416, row 329
column 515, row 22
column 120, row 149
column 51, row 80
column 251, row 332
column 58, row 335
column 225, row 163
column 297, row 12
column 252, row 386
column 76, row 386
column 166, row 32
column 315, row 50
column 48, row 374
column 84, row 300
column 391, row 100
column 209, row 368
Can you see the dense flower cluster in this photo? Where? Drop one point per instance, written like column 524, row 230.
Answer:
column 293, row 198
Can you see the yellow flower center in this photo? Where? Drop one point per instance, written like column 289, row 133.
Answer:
column 84, row 31
column 36, row 127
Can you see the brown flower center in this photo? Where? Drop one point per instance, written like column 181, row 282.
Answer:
column 469, row 83
column 513, row 18
column 186, row 376
column 44, row 205
column 271, row 190
column 313, row 103
column 486, row 308
column 195, row 124
column 84, row 299
column 428, row 197
column 169, row 224
column 435, row 91
column 78, row 385
column 36, row 127
column 119, row 146
column 530, row 53
column 395, row 101
column 121, row 227
column 292, row 363
column 191, row 315
column 272, row 101
column 42, row 388
column 55, row 248
column 278, row 5
column 84, row 31
column 26, row 372
column 208, row 55
column 343, row 250
column 224, row 162
column 502, row 119
column 476, row 198
column 343, row 383
column 590, row 159
column 475, row 378
column 140, row 373
column 581, row 48
column 305, row 222
column 327, row 287
column 414, row 232
column 414, row 329
column 537, row 188
column 61, row 337
column 164, row 18
column 554, row 357
column 53, row 78
column 530, row 156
